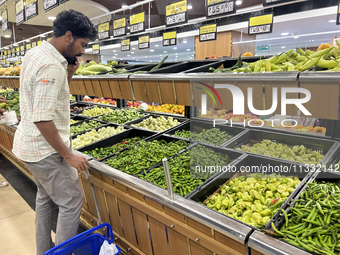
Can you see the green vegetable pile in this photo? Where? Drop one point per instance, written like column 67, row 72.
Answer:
column 145, row 154
column 203, row 157
column 85, row 126
column 253, row 199
column 13, row 101
column 313, row 223
column 181, row 180
column 157, row 124
column 212, row 136
column 298, row 153
column 94, row 135
column 121, row 116
column 73, row 121
column 95, row 111
column 100, row 153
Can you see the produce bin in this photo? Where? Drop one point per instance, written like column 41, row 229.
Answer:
column 198, row 127
column 86, row 120
column 239, row 168
column 186, row 66
column 79, row 113
column 180, row 120
column 110, row 141
column 106, row 125
column 231, row 154
column 326, row 147
column 82, row 104
column 321, row 176
column 149, row 139
column 79, row 118
column 126, row 123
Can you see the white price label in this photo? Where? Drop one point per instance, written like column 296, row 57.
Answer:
column 259, row 29
column 19, row 17
column 4, row 25
column 49, row 3
column 31, row 10
column 208, row 37
column 175, row 19
column 137, row 27
column 220, row 8
column 126, row 48
column 103, row 35
column 119, row 31
column 143, row 45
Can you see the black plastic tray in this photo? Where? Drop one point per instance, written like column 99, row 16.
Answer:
column 168, row 139
column 110, row 141
column 317, row 176
column 126, row 123
column 249, row 161
column 326, row 147
column 106, row 125
column 231, row 154
column 198, row 127
column 87, row 120
column 186, row 66
column 78, row 104
column 99, row 106
column 180, row 120
column 79, row 118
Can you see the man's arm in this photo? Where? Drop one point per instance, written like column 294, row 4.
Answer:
column 51, row 134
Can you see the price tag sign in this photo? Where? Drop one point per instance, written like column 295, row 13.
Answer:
column 31, row 8
column 13, row 53
column 119, row 27
column 19, row 12
column 125, row 45
column 95, row 49
column 17, row 49
column 34, row 44
column 216, row 8
column 22, row 50
column 271, row 2
column 208, row 33
column 137, row 23
column 4, row 16
column 39, row 43
column 170, row 38
column 28, row 46
column 260, row 24
column 176, row 13
column 104, row 31
column 144, row 42
column 50, row 4
column 9, row 53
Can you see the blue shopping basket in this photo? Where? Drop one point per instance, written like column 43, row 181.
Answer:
column 86, row 243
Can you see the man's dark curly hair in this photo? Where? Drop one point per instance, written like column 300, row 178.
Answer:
column 76, row 22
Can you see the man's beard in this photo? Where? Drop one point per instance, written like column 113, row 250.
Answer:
column 71, row 60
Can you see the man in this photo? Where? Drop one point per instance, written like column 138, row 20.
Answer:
column 42, row 137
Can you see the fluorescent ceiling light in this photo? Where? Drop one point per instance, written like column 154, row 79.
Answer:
column 175, row 48
column 284, row 34
column 7, row 36
column 114, row 51
column 129, row 55
column 185, row 41
column 51, row 18
column 188, row 49
column 332, row 21
column 116, row 54
column 156, row 45
column 176, row 53
column 238, row 2
column 133, row 48
column 0, row 18
column 132, row 52
column 283, row 47
column 296, row 37
column 189, row 7
column 165, row 51
column 152, row 50
column 124, row 6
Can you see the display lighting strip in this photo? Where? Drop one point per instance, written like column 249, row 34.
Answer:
column 159, row 28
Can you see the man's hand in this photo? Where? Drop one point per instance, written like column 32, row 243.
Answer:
column 78, row 162
column 3, row 100
column 72, row 68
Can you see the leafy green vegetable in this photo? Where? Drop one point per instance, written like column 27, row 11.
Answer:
column 121, row 116
column 85, row 126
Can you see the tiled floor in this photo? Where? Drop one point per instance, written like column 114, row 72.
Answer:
column 17, row 216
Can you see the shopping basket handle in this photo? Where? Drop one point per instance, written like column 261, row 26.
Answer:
column 76, row 238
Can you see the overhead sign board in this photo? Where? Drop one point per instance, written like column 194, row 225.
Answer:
column 19, row 12
column 208, row 32
column 4, row 16
column 215, row 8
column 169, row 38
column 104, row 31
column 50, row 4
column 260, row 24
column 125, row 45
column 119, row 27
column 137, row 23
column 176, row 13
column 22, row 50
column 95, row 49
column 143, row 42
column 31, row 8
